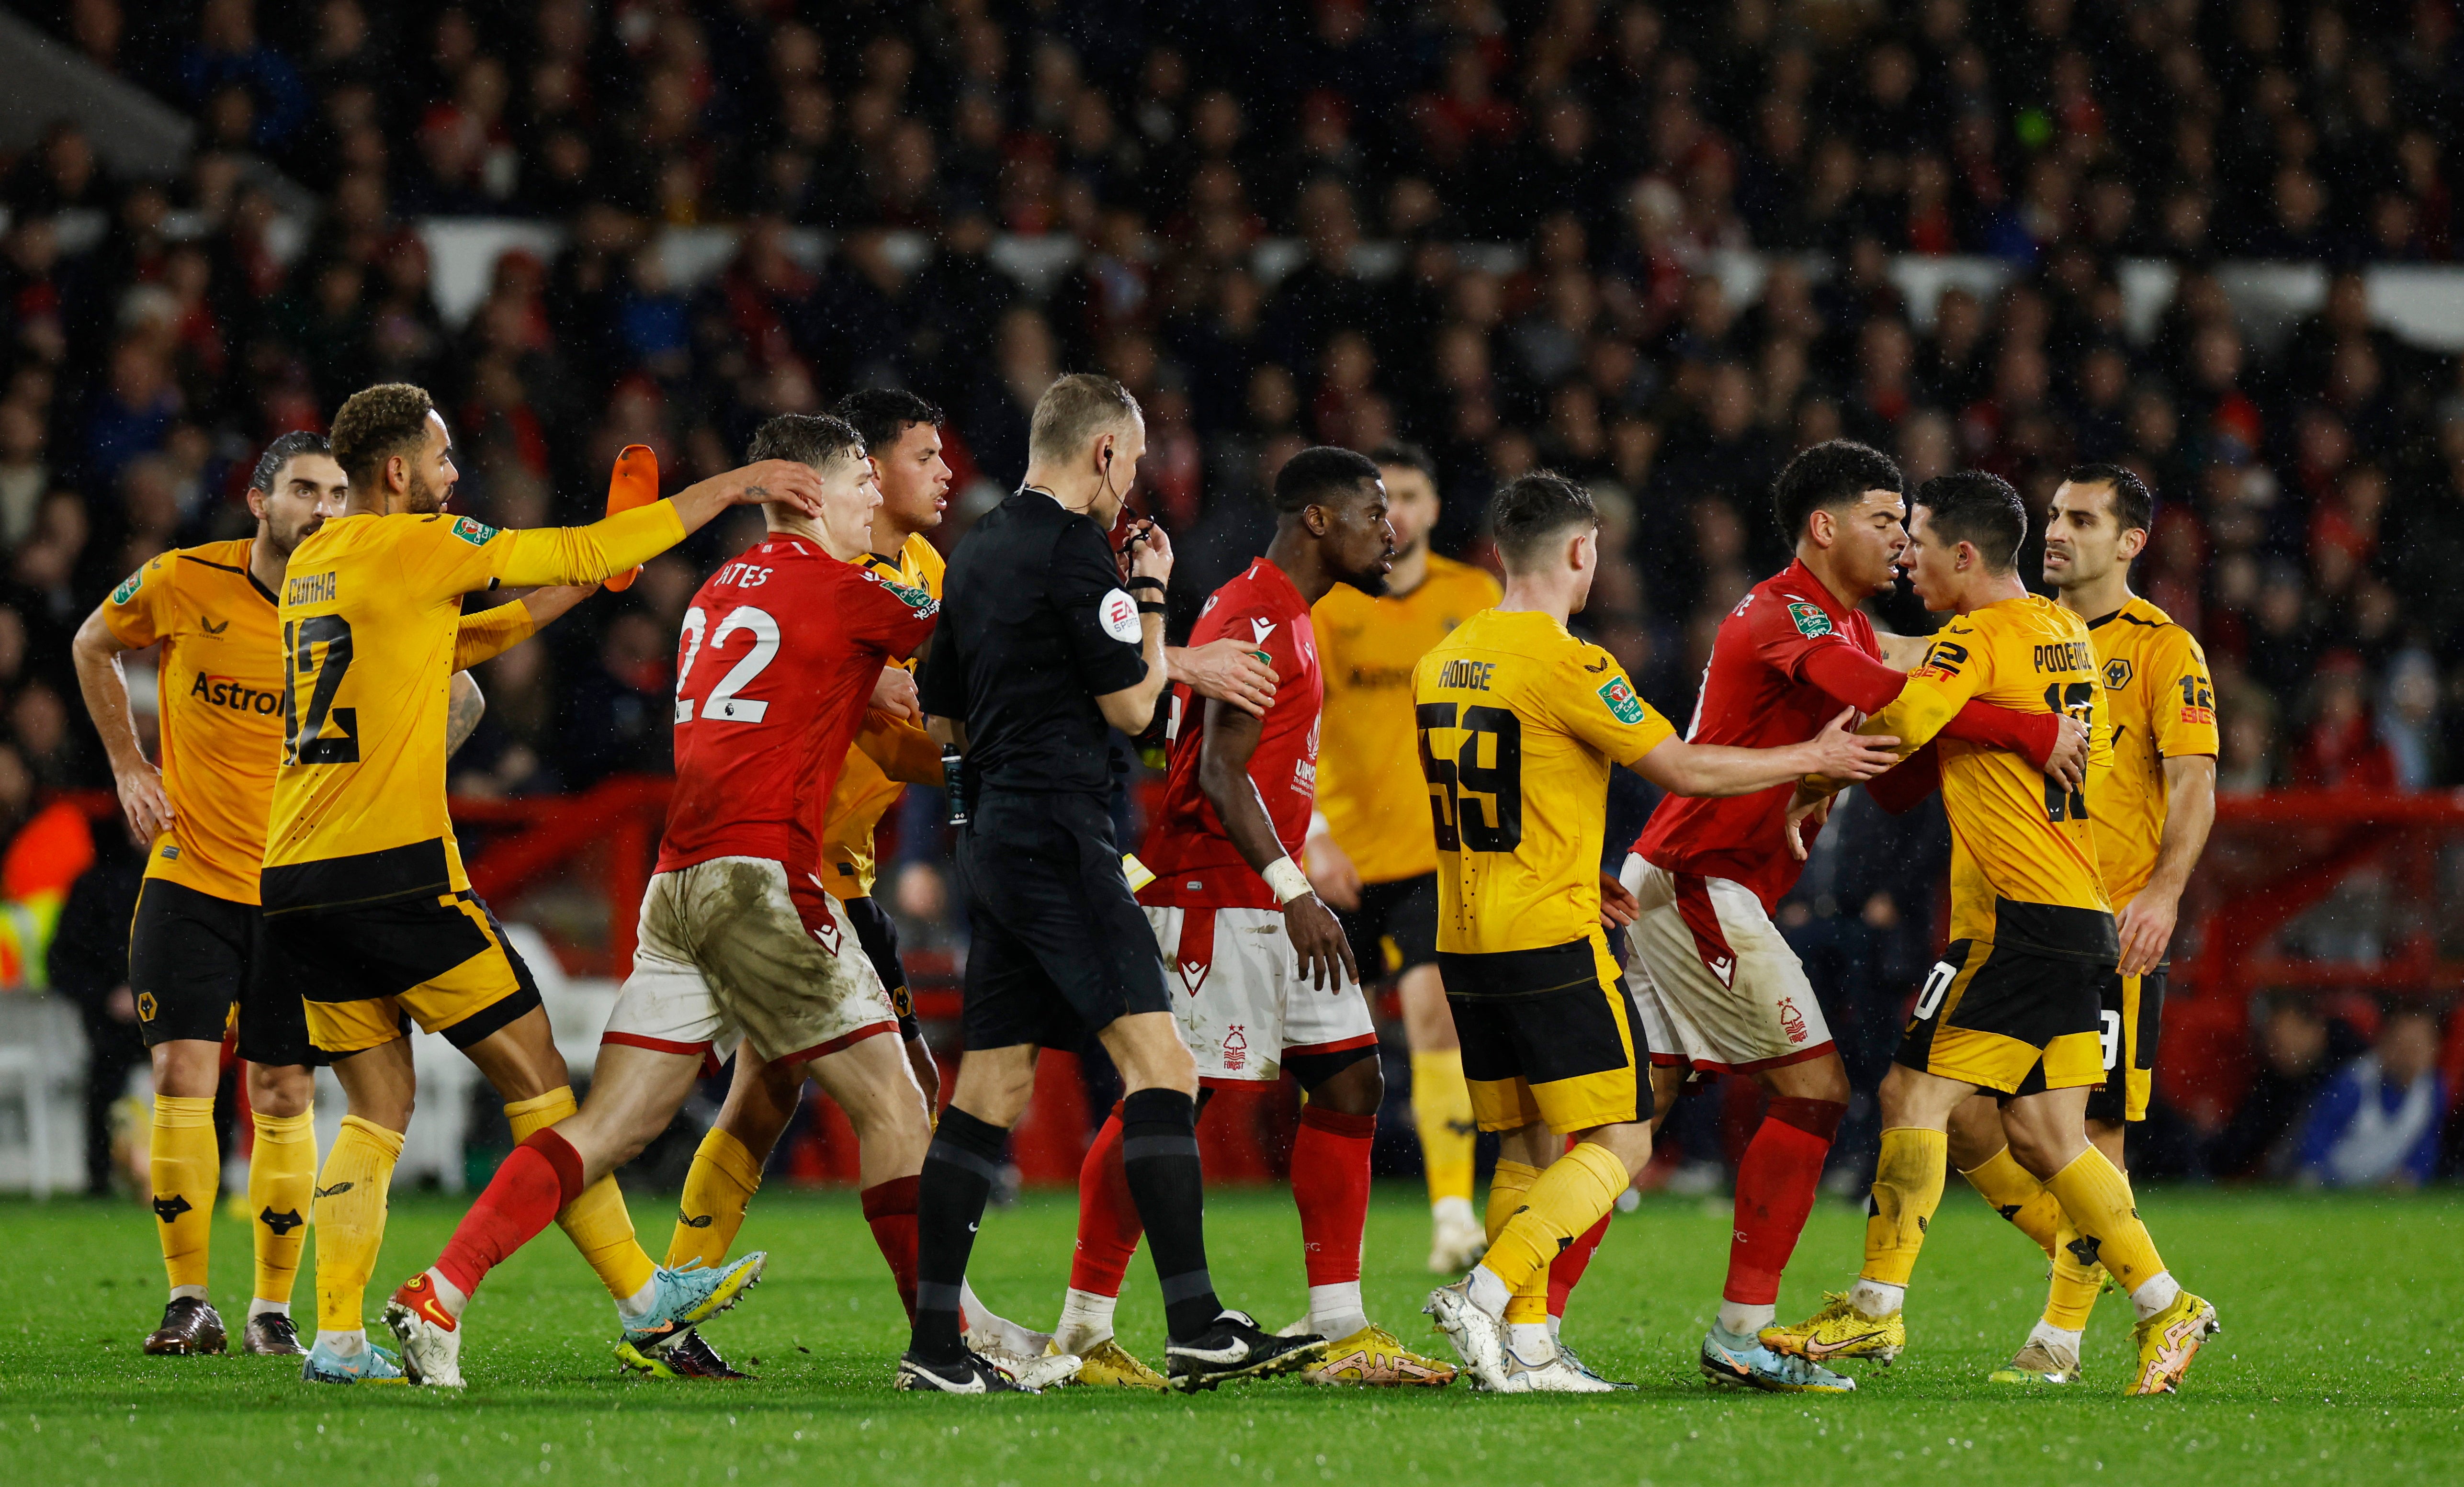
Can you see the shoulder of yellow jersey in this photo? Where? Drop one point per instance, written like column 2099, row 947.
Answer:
column 921, row 563
column 1474, row 585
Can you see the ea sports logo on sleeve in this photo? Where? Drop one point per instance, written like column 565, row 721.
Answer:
column 1118, row 614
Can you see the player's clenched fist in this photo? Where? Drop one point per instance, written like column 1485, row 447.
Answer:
column 1839, row 754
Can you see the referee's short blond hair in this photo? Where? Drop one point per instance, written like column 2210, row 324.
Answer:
column 1073, row 410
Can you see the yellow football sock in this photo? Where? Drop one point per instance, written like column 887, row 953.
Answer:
column 1506, row 1186
column 1908, row 1187
column 2015, row 1192
column 186, row 1172
column 717, row 1191
column 1567, row 1200
column 281, row 1185
column 2096, row 1198
column 597, row 1222
column 351, row 1220
column 2073, row 1293
column 1441, row 1109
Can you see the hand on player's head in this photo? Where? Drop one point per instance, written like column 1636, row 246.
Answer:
column 1841, row 753
column 788, row 483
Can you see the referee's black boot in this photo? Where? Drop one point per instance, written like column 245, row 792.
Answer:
column 971, row 1374
column 1237, row 1347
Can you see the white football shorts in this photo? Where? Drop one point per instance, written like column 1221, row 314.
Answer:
column 730, row 951
column 1242, row 1003
column 1719, row 989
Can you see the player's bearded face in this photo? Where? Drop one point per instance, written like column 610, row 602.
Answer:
column 308, row 489
column 2082, row 541
column 431, row 479
column 1360, row 541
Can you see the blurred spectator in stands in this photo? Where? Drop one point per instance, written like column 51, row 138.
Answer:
column 2340, row 748
column 25, row 471
column 2300, row 1049
column 2377, row 1124
column 89, row 966
column 616, row 716
column 226, row 54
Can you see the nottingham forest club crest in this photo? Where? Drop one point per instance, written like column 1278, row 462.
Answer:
column 1623, row 705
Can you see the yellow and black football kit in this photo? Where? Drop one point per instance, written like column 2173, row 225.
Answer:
column 1374, row 805
column 196, row 931
column 1518, row 725
column 366, row 899
column 886, row 756
column 2161, row 705
column 2012, row 1006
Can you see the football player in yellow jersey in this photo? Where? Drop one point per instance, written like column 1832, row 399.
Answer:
column 903, row 434
column 2150, row 810
column 1519, row 724
column 2013, row 1007
column 1369, row 853
column 366, row 905
column 202, row 815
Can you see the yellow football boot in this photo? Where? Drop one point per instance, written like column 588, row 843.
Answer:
column 1374, row 1356
column 2038, row 1361
column 1107, row 1363
column 2168, row 1341
column 1839, row 1330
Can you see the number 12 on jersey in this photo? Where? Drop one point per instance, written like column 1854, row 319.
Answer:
column 1458, row 776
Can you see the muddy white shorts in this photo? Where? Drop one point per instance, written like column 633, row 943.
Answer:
column 1717, row 987
column 1242, row 1000
column 729, row 950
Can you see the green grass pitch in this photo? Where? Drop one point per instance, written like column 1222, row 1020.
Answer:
column 2336, row 1365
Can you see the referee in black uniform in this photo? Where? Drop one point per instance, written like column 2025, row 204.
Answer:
column 1044, row 647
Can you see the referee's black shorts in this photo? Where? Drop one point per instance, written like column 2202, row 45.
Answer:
column 1060, row 947
column 193, row 957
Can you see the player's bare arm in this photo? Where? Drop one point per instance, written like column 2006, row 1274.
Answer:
column 2146, row 922
column 1224, row 670
column 1149, row 551
column 462, row 713
column 1230, row 739
column 142, row 800
column 1836, row 753
column 1902, row 652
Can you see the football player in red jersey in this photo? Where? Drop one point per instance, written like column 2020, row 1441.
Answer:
column 1266, row 976
column 1720, row 991
column 779, row 657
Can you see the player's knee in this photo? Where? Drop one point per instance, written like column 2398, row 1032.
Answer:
column 187, row 1068
column 1358, row 1088
column 1821, row 1079
column 2044, row 1153
column 281, row 1091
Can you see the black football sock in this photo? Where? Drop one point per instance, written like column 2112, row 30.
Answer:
column 1159, row 1154
column 959, row 1170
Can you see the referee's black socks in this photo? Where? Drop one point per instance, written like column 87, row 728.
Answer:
column 1159, row 1154
column 959, row 1170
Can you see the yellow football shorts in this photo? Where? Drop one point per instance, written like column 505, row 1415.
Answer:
column 2011, row 1020
column 369, row 971
column 1549, row 1035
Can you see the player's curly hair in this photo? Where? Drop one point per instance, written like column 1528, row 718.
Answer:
column 375, row 423
column 1530, row 510
column 1834, row 473
column 815, row 439
column 282, row 451
column 2134, row 505
column 883, row 415
column 1319, row 473
column 1974, row 507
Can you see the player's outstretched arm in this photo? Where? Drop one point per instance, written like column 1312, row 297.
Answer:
column 558, row 556
column 1230, row 740
column 2147, row 921
column 1691, row 769
column 463, row 713
column 95, row 652
column 1223, row 669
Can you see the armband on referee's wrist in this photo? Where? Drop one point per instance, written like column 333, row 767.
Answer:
column 1286, row 878
column 1148, row 607
column 1143, row 582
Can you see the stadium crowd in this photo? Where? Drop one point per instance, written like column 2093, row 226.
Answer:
column 155, row 334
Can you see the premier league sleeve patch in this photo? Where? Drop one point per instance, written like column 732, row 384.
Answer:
column 1810, row 618
column 1623, row 705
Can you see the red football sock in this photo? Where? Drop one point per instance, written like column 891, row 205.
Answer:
column 1776, row 1181
column 1331, row 1185
column 1567, row 1267
column 542, row 1175
column 1107, row 1216
column 889, row 1208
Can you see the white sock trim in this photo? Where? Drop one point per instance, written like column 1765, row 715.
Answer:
column 1487, row 1292
column 637, row 1304
column 343, row 1344
column 453, row 1298
column 188, row 1293
column 1335, row 1311
column 1453, row 1211
column 1085, row 1318
column 2052, row 1336
column 2155, row 1293
column 1876, row 1298
column 258, row 1305
column 1743, row 1319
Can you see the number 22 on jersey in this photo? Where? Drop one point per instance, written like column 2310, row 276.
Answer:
column 723, row 705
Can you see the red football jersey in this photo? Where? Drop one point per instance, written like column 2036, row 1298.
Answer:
column 1753, row 698
column 777, row 662
column 1195, row 863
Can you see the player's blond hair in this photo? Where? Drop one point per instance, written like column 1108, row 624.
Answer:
column 1073, row 410
column 375, row 423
